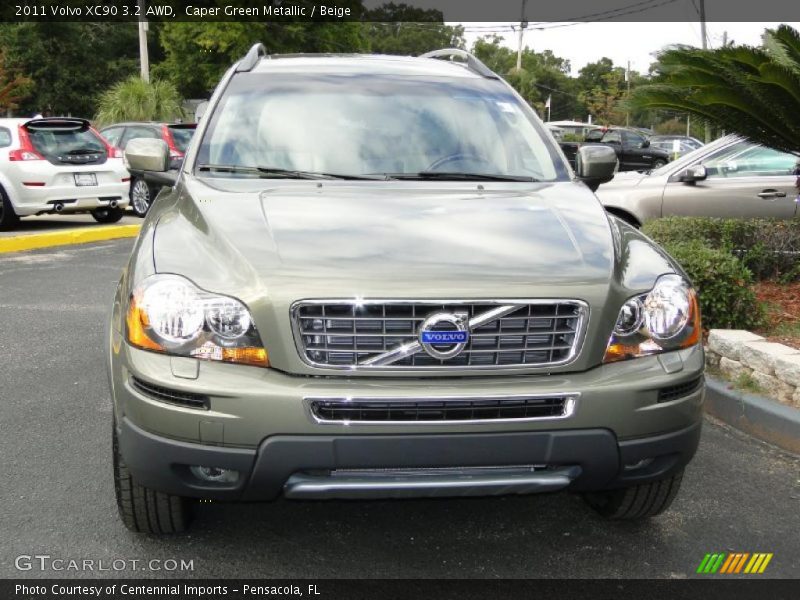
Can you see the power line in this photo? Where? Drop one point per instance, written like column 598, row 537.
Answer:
column 607, row 16
column 630, row 9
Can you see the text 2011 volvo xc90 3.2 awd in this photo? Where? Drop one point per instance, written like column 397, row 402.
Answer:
column 377, row 277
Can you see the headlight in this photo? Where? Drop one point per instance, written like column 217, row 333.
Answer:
column 666, row 318
column 169, row 314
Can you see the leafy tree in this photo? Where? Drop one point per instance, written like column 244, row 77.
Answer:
column 593, row 75
column 197, row 54
column 13, row 87
column 603, row 101
column 542, row 75
column 137, row 100
column 69, row 63
column 751, row 91
column 406, row 30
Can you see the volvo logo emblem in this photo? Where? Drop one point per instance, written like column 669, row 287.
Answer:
column 444, row 335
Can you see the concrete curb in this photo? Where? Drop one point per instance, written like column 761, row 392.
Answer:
column 762, row 418
column 67, row 237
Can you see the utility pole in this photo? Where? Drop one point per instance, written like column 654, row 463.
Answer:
column 144, row 59
column 628, row 79
column 522, row 25
column 704, row 37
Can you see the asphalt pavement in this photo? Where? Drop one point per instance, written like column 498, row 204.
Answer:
column 57, row 497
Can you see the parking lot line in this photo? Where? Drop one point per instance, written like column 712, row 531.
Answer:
column 66, row 237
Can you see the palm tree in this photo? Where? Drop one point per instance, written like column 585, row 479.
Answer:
column 754, row 92
column 137, row 100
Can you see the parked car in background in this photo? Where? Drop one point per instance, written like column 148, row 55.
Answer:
column 632, row 147
column 59, row 166
column 675, row 145
column 558, row 132
column 729, row 178
column 575, row 128
column 145, row 185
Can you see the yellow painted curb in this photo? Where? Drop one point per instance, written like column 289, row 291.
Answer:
column 67, row 237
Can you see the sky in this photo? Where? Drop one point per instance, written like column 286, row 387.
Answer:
column 583, row 43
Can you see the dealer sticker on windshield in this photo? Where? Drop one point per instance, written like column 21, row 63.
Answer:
column 82, row 179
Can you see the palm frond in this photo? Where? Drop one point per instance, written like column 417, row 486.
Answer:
column 754, row 92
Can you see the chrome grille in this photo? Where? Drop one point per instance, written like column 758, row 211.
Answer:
column 348, row 334
column 447, row 409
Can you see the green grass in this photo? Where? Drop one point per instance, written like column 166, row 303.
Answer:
column 746, row 383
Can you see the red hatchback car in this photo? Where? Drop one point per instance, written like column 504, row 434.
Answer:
column 144, row 185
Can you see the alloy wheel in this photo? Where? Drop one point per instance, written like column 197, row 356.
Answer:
column 140, row 197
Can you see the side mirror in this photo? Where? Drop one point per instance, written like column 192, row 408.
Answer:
column 595, row 165
column 646, row 144
column 693, row 174
column 147, row 154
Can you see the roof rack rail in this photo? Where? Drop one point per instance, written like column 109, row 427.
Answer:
column 250, row 60
column 472, row 62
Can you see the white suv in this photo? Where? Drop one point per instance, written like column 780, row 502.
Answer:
column 59, row 165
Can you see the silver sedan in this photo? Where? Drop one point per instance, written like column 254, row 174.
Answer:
column 729, row 177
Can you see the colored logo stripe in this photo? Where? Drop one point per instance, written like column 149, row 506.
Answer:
column 734, row 563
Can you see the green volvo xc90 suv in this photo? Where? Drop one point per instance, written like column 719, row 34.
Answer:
column 378, row 277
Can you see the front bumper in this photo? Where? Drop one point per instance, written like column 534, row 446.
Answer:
column 257, row 423
column 373, row 466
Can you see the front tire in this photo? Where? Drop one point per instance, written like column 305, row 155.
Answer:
column 108, row 215
column 143, row 510
column 8, row 218
column 637, row 502
column 141, row 196
column 658, row 164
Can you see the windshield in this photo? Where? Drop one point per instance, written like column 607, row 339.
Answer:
column 182, row 136
column 362, row 126
column 54, row 141
column 691, row 157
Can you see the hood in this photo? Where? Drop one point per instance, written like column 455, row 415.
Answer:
column 334, row 239
column 624, row 179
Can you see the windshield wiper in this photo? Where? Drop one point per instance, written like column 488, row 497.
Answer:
column 265, row 171
column 283, row 173
column 459, row 176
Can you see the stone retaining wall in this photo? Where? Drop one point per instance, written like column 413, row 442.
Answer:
column 774, row 367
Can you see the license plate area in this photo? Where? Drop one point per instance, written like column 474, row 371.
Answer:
column 85, row 179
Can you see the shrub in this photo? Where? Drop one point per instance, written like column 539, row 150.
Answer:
column 770, row 248
column 724, row 285
column 137, row 100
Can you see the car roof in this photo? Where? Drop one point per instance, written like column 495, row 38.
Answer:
column 11, row 121
column 375, row 64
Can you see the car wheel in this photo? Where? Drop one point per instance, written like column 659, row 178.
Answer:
column 141, row 196
column 8, row 218
column 636, row 502
column 108, row 215
column 143, row 510
column 659, row 163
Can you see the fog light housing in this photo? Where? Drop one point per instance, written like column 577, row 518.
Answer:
column 639, row 464
column 214, row 474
